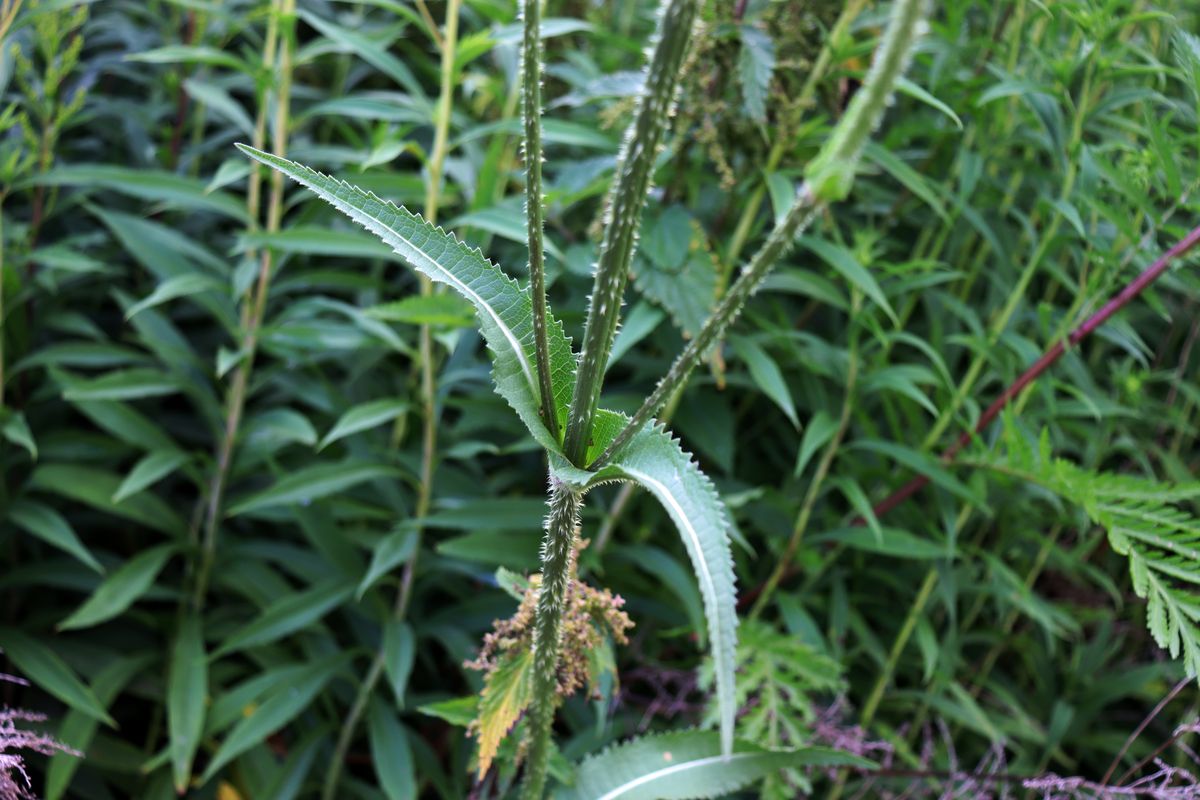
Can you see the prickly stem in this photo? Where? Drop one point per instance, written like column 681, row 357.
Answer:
column 829, row 177
column 558, row 552
column 531, row 110
column 676, row 21
column 750, row 280
column 831, row 173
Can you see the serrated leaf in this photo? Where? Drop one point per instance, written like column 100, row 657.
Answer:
column 312, row 483
column 187, row 693
column 506, row 693
column 505, row 311
column 120, row 589
column 756, row 64
column 655, row 461
column 53, row 529
column 364, row 417
column 688, row 766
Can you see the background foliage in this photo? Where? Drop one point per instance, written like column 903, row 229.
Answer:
column 1050, row 154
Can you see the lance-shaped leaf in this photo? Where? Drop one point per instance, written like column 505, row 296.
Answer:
column 505, row 310
column 688, row 766
column 654, row 460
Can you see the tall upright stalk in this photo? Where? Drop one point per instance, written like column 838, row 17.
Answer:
column 828, row 178
column 624, row 214
column 531, row 113
column 255, row 303
column 448, row 41
column 558, row 550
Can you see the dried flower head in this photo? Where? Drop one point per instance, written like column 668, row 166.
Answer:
column 14, row 780
column 590, row 615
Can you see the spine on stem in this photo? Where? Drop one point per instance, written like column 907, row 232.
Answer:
column 829, row 177
column 635, row 165
column 531, row 113
column 558, row 552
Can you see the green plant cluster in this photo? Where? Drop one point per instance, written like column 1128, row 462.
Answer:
column 265, row 502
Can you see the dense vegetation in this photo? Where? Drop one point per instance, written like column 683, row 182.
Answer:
column 268, row 532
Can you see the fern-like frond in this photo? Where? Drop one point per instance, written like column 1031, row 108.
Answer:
column 1146, row 522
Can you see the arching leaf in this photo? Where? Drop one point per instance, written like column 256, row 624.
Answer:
column 654, row 460
column 504, row 309
column 687, row 766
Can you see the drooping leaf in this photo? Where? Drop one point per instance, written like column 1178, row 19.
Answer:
column 506, row 693
column 187, row 695
column 78, row 729
column 849, row 267
column 688, row 766
column 393, row 550
column 127, row 384
column 391, row 753
column 434, row 309
column 766, row 375
column 364, row 417
column 96, row 488
column 46, row 670
column 171, row 289
column 283, row 704
column 120, row 589
column 52, row 528
column 655, row 461
column 312, row 483
column 16, row 430
column 399, row 653
column 149, row 470
column 288, row 614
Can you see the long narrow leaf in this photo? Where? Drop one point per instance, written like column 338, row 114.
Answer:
column 504, row 309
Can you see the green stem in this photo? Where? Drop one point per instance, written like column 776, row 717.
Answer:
column 429, row 412
column 829, row 177
column 742, row 230
column 831, row 173
column 778, row 243
column 635, row 165
column 814, row 486
column 558, row 551
column 531, row 112
column 253, row 309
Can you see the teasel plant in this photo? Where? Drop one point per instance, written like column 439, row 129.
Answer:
column 556, row 394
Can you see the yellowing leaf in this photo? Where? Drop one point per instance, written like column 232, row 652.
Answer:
column 226, row 792
column 506, row 694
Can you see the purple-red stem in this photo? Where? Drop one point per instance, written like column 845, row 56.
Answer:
column 1151, row 274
